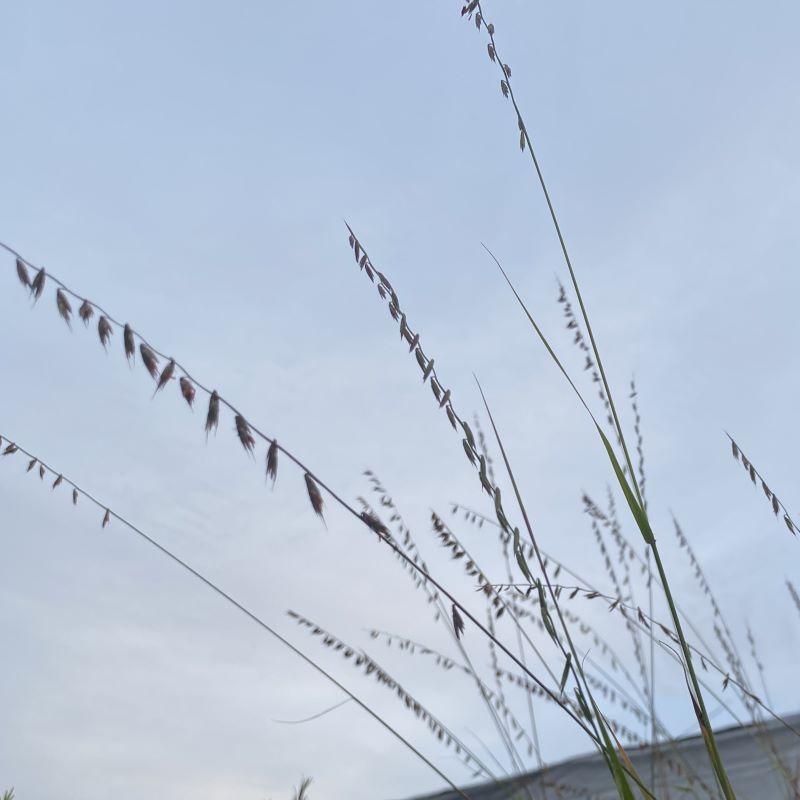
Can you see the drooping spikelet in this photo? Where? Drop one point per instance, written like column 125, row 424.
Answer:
column 64, row 308
column 106, row 518
column 187, row 390
column 86, row 312
column 130, row 345
column 458, row 623
column 245, row 435
column 37, row 285
column 212, row 418
column 22, row 274
column 373, row 521
column 104, row 331
column 314, row 495
column 166, row 376
column 272, row 461
column 57, row 482
column 149, row 360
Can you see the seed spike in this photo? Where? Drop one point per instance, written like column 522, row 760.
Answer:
column 166, row 376
column 86, row 312
column 212, row 418
column 130, row 346
column 244, row 433
column 64, row 308
column 187, row 390
column 104, row 330
column 149, row 360
column 314, row 495
column 37, row 285
column 22, row 274
column 458, row 623
column 272, row 461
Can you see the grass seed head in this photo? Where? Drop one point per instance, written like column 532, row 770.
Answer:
column 37, row 285
column 86, row 312
column 127, row 339
column 272, row 461
column 149, row 360
column 245, row 435
column 212, row 418
column 64, row 308
column 314, row 495
column 188, row 391
column 104, row 330
column 22, row 274
column 166, row 375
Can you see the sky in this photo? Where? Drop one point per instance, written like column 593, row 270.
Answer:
column 188, row 166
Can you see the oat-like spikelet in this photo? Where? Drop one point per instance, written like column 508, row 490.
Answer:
column 130, row 346
column 22, row 274
column 245, row 435
column 149, row 360
column 41, row 472
column 57, row 482
column 86, row 312
column 31, row 464
column 74, row 497
column 166, row 376
column 188, row 391
column 373, row 521
column 37, row 284
column 314, row 495
column 104, row 331
column 458, row 623
column 106, row 518
column 272, row 461
column 64, row 308
column 212, row 418
column 10, row 449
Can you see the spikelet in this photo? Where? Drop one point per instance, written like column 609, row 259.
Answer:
column 106, row 518
column 314, row 495
column 212, row 418
column 31, row 464
column 458, row 623
column 104, row 331
column 74, row 497
column 130, row 346
column 37, row 285
column 272, row 461
column 86, row 312
column 22, row 274
column 149, row 360
column 64, row 308
column 188, row 391
column 57, row 482
column 41, row 472
column 10, row 449
column 373, row 522
column 166, row 376
column 244, row 433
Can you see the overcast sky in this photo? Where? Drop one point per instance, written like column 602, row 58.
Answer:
column 188, row 166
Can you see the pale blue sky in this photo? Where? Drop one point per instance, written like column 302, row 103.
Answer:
column 188, row 166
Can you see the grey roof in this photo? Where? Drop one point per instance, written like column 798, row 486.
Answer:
column 754, row 762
